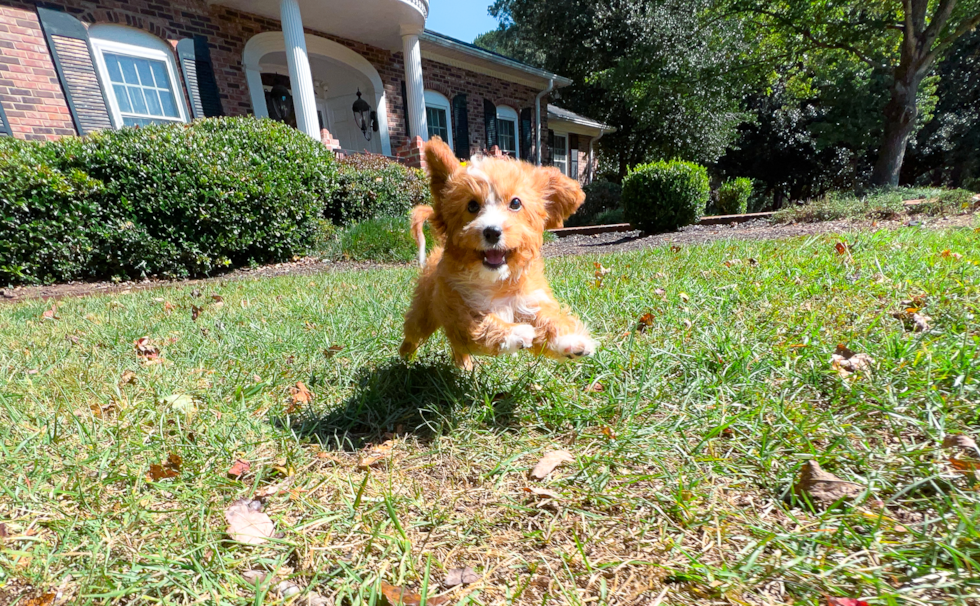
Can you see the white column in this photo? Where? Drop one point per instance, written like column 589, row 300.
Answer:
column 300, row 77
column 254, row 78
column 413, row 82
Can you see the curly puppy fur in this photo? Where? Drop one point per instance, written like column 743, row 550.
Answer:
column 485, row 284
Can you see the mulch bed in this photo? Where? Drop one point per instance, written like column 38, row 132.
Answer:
column 569, row 245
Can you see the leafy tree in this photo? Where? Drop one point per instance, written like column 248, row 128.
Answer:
column 903, row 37
column 668, row 74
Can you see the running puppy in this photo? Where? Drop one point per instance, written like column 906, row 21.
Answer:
column 485, row 284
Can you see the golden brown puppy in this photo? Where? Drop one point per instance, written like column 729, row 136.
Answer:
column 485, row 285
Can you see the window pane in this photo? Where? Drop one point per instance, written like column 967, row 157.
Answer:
column 112, row 64
column 167, row 102
column 122, row 97
column 136, row 97
column 153, row 103
column 160, row 74
column 508, row 140
column 143, row 68
column 437, row 122
column 128, row 70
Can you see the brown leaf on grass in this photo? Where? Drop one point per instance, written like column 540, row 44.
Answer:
column 375, row 454
column 51, row 314
column 247, row 524
column 146, row 351
column 73, row 339
column 398, row 596
column 170, row 469
column 660, row 292
column 646, row 321
column 823, row 488
column 196, row 312
column 912, row 320
column 128, row 378
column 845, row 602
column 967, row 467
column 45, row 599
column 675, row 249
column 958, row 440
column 460, row 576
column 299, row 396
column 3, row 531
column 846, row 362
column 168, row 307
column 332, row 351
column 239, row 468
column 549, row 462
column 608, row 432
column 948, row 254
column 595, row 386
column 542, row 492
column 103, row 410
column 842, row 248
column 217, row 298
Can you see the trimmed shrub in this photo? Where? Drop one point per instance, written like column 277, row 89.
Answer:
column 662, row 196
column 600, row 198
column 382, row 239
column 372, row 186
column 734, row 195
column 167, row 201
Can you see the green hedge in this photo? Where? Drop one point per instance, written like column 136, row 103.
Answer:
column 166, row 201
column 662, row 196
column 734, row 195
column 372, row 186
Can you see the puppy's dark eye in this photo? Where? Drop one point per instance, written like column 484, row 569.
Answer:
column 474, row 206
column 515, row 204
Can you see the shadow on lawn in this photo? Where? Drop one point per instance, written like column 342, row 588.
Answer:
column 425, row 398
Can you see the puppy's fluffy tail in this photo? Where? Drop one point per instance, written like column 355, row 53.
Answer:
column 420, row 214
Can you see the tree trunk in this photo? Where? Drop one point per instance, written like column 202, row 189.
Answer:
column 900, row 114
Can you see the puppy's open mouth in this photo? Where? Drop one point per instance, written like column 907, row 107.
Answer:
column 494, row 259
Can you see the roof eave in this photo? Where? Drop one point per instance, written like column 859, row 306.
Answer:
column 478, row 53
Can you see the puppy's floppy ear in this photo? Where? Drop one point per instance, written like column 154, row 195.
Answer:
column 442, row 163
column 562, row 196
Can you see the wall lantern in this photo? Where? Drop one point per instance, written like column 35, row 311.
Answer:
column 365, row 118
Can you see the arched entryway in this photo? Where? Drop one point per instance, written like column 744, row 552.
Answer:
column 338, row 74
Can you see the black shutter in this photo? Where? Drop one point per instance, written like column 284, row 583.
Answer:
column 408, row 129
column 461, row 127
column 526, row 127
column 202, row 87
column 551, row 145
column 573, row 156
column 490, row 122
column 71, row 53
column 4, row 125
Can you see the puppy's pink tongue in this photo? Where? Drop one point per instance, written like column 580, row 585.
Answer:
column 494, row 257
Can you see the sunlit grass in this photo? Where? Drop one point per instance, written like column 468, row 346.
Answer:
column 683, row 458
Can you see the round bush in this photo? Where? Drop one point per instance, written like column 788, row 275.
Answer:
column 372, row 186
column 383, row 239
column 167, row 201
column 734, row 195
column 600, row 198
column 662, row 196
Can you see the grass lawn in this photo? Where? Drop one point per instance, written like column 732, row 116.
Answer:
column 684, row 458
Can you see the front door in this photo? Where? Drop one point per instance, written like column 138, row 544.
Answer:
column 344, row 129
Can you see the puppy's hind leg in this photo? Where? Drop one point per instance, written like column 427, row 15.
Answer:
column 419, row 323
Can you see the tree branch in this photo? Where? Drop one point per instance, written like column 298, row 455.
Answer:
column 938, row 23
column 964, row 28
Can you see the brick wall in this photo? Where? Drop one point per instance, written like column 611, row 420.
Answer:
column 38, row 109
column 29, row 88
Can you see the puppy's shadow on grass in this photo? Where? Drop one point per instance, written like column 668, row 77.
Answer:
column 425, row 398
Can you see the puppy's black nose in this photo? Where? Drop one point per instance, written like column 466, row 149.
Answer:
column 492, row 234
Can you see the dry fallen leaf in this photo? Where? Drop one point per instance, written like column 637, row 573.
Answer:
column 595, row 386
column 397, row 596
column 967, row 467
column 146, row 350
column 823, row 488
column 549, row 462
column 841, row 248
column 948, row 254
column 460, row 576
column 299, row 396
column 128, row 378
column 332, row 351
column 170, row 469
column 375, row 454
column 542, row 492
column 168, row 307
column 247, row 524
column 912, row 320
column 675, row 249
column 608, row 432
column 646, row 321
column 958, row 440
column 51, row 314
column 239, row 468
column 845, row 602
column 845, row 361
column 45, row 599
column 196, row 312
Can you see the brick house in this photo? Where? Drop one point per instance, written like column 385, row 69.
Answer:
column 71, row 67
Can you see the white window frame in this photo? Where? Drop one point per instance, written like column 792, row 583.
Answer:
column 567, row 159
column 122, row 40
column 509, row 114
column 439, row 101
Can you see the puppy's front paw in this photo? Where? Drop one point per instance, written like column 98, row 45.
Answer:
column 573, row 346
column 521, row 337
